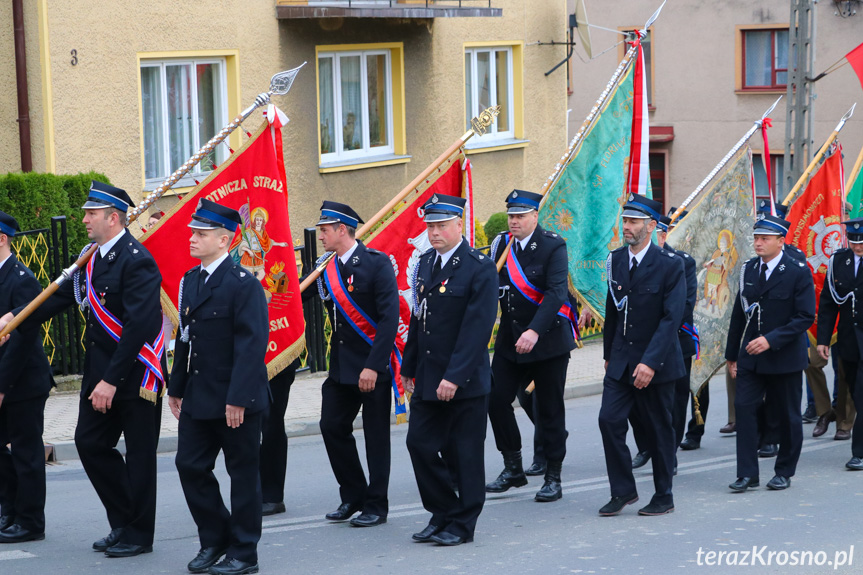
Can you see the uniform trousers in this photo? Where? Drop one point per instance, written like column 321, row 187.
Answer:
column 846, row 412
column 126, row 487
column 274, row 440
column 459, row 428
column 339, row 407
column 529, row 405
column 680, row 407
column 22, row 470
column 652, row 406
column 198, row 445
column 781, row 393
column 550, row 378
column 854, row 374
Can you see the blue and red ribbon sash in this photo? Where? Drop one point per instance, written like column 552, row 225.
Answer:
column 533, row 293
column 693, row 333
column 151, row 353
column 365, row 327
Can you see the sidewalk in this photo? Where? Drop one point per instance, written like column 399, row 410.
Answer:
column 304, row 408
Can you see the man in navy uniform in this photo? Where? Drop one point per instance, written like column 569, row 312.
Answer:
column 274, row 442
column 533, row 343
column 767, row 350
column 643, row 312
column 25, row 380
column 219, row 393
column 361, row 294
column 124, row 370
column 688, row 336
column 842, row 287
column 446, row 368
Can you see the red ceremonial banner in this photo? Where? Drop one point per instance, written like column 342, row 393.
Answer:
column 855, row 58
column 815, row 219
column 252, row 181
column 404, row 238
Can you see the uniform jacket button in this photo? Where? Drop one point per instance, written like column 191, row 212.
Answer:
column 428, row 352
column 196, row 372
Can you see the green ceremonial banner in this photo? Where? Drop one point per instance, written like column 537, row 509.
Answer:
column 854, row 194
column 585, row 203
column 717, row 233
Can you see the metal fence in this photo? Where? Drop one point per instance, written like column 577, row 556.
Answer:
column 46, row 252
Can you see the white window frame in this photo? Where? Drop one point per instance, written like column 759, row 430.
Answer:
column 492, row 133
column 221, row 151
column 341, row 155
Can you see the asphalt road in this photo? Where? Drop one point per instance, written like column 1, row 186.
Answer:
column 815, row 521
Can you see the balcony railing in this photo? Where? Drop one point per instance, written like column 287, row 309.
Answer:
column 288, row 9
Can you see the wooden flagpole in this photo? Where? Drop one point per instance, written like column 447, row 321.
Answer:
column 280, row 84
column 806, row 175
column 478, row 127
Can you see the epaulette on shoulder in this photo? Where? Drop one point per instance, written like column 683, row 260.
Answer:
column 137, row 251
column 477, row 254
column 374, row 251
column 427, row 252
column 242, row 273
column 665, row 252
column 550, row 234
column 189, row 272
column 842, row 252
column 620, row 249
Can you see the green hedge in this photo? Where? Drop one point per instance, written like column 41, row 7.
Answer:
column 496, row 223
column 33, row 199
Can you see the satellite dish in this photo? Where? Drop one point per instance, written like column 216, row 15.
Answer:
column 583, row 27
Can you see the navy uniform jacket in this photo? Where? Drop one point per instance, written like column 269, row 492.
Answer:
column 129, row 281
column 787, row 310
column 849, row 334
column 376, row 293
column 795, row 253
column 24, row 369
column 228, row 332
column 687, row 344
column 545, row 265
column 657, row 298
column 452, row 341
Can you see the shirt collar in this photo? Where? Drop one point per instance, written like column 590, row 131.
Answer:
column 347, row 255
column 107, row 246
column 444, row 258
column 639, row 256
column 211, row 269
column 7, row 258
column 523, row 243
column 771, row 265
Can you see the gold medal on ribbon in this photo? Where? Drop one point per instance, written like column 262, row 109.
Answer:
column 442, row 289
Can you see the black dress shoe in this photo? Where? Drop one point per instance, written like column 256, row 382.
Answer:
column 743, row 483
column 109, row 540
column 640, row 460
column 127, row 550
column 617, row 504
column 855, row 463
column 823, row 423
column 769, row 450
column 809, row 415
column 17, row 534
column 205, row 559
column 426, row 534
column 344, row 511
column 6, row 521
column 779, row 482
column 272, row 508
column 368, row 520
column 653, row 509
column 230, row 566
column 688, row 444
column 535, row 469
column 842, row 435
column 448, row 539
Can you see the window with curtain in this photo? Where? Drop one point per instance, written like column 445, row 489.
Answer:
column 765, row 59
column 777, row 164
column 489, row 82
column 183, row 105
column 355, row 104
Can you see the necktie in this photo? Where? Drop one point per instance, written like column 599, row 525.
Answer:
column 436, row 267
column 633, row 267
column 857, row 269
column 762, row 278
column 202, row 279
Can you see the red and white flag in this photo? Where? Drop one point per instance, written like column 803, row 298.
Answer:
column 639, row 159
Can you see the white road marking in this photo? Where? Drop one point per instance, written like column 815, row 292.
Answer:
column 15, row 554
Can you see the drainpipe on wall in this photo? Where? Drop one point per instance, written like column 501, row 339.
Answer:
column 21, row 80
